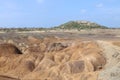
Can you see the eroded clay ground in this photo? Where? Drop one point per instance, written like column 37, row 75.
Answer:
column 84, row 55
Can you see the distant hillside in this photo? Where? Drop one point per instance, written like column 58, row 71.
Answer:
column 80, row 25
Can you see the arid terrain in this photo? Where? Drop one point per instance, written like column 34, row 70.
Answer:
column 60, row 55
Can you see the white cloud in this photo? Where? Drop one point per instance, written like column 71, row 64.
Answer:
column 100, row 5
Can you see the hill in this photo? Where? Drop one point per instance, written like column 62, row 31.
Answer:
column 80, row 25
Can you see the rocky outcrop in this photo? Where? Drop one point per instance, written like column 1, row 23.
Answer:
column 8, row 50
column 52, row 59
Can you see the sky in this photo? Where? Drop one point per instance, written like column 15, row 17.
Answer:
column 49, row 13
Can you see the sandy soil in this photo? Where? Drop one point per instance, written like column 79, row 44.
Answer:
column 73, row 55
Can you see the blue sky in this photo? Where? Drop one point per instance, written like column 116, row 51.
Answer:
column 47, row 13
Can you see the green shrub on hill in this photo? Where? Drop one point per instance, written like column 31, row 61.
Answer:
column 80, row 25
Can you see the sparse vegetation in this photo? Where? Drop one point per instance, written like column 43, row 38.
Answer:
column 21, row 29
column 80, row 25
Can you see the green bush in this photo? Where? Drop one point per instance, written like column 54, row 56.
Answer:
column 78, row 25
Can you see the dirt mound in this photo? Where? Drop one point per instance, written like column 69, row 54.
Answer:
column 112, row 53
column 116, row 43
column 53, row 59
column 2, row 77
column 7, row 49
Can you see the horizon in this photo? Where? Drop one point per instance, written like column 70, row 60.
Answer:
column 46, row 14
